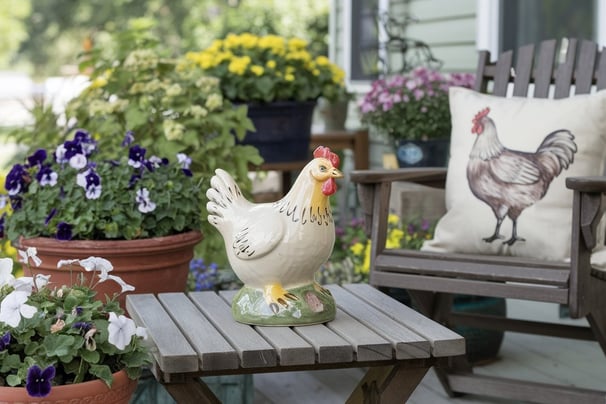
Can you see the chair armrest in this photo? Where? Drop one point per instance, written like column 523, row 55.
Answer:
column 587, row 184
column 429, row 176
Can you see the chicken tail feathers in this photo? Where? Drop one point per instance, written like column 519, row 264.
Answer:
column 222, row 196
column 557, row 151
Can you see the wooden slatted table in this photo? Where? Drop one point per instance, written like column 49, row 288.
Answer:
column 194, row 335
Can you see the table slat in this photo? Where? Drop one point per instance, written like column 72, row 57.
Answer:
column 329, row 346
column 253, row 350
column 290, row 347
column 368, row 345
column 172, row 351
column 444, row 341
column 214, row 351
column 407, row 344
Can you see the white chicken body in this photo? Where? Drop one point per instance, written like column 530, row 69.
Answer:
column 277, row 245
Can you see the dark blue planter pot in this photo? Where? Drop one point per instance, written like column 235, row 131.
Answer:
column 422, row 153
column 283, row 130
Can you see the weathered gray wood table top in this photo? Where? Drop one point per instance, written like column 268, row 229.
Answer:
column 194, row 335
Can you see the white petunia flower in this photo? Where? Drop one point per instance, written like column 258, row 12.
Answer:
column 32, row 253
column 62, row 263
column 96, row 264
column 103, row 276
column 6, row 272
column 13, row 307
column 121, row 330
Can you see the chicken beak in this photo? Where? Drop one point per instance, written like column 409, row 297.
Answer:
column 336, row 173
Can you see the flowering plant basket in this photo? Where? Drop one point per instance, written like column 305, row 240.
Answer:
column 52, row 335
column 269, row 68
column 72, row 193
column 412, row 106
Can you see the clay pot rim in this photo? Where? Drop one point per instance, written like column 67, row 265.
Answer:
column 192, row 237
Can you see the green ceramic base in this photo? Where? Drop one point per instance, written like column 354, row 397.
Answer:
column 313, row 305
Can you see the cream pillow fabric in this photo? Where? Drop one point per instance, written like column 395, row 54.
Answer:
column 517, row 172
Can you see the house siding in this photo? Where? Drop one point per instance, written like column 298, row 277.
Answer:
column 448, row 27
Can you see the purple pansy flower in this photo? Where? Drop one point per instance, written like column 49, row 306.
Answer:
column 83, row 326
column 52, row 213
column 145, row 205
column 136, row 156
column 37, row 158
column 64, row 231
column 5, row 341
column 2, row 219
column 46, row 176
column 16, row 180
column 38, row 382
column 129, row 138
column 86, row 142
column 91, row 182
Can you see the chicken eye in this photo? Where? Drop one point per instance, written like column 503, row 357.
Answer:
column 323, row 168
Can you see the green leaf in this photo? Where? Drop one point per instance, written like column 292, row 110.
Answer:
column 58, row 345
column 90, row 356
column 103, row 372
column 13, row 380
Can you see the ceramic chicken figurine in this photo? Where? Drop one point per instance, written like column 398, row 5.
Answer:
column 276, row 248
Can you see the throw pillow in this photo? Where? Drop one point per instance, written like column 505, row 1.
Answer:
column 509, row 158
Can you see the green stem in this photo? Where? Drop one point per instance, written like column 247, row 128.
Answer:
column 81, row 371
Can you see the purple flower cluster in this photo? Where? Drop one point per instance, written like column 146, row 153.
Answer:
column 397, row 102
column 75, row 157
column 203, row 275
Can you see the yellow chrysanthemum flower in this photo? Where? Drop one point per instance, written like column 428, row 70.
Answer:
column 238, row 65
column 257, row 70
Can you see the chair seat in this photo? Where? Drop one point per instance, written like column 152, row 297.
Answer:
column 474, row 274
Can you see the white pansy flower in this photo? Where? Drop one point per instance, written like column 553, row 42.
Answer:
column 13, row 307
column 121, row 330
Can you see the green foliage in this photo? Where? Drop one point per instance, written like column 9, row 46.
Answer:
column 39, row 207
column 171, row 105
column 67, row 330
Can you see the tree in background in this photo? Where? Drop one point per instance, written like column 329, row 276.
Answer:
column 12, row 28
column 56, row 31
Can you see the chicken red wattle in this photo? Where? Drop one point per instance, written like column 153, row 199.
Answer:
column 330, row 186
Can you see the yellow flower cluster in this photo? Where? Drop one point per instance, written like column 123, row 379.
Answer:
column 268, row 68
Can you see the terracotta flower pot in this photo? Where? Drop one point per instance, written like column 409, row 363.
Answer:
column 153, row 265
column 92, row 392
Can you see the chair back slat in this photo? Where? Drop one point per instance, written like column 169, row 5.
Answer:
column 503, row 74
column 523, row 70
column 543, row 71
column 583, row 67
column 584, row 74
column 564, row 74
column 601, row 70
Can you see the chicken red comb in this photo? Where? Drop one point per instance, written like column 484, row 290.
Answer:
column 322, row 151
column 481, row 115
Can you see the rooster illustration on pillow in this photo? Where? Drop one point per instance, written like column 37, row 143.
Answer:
column 508, row 180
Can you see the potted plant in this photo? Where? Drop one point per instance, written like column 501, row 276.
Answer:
column 279, row 80
column 412, row 110
column 139, row 210
column 59, row 344
column 333, row 108
column 171, row 105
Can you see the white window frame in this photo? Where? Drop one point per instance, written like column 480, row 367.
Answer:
column 487, row 24
column 359, row 86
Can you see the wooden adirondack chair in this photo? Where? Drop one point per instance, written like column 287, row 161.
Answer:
column 431, row 279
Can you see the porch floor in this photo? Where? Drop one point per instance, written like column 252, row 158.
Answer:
column 537, row 358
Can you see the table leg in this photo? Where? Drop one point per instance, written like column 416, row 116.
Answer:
column 387, row 384
column 193, row 391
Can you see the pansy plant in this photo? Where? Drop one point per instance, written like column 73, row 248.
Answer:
column 59, row 334
column 72, row 193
